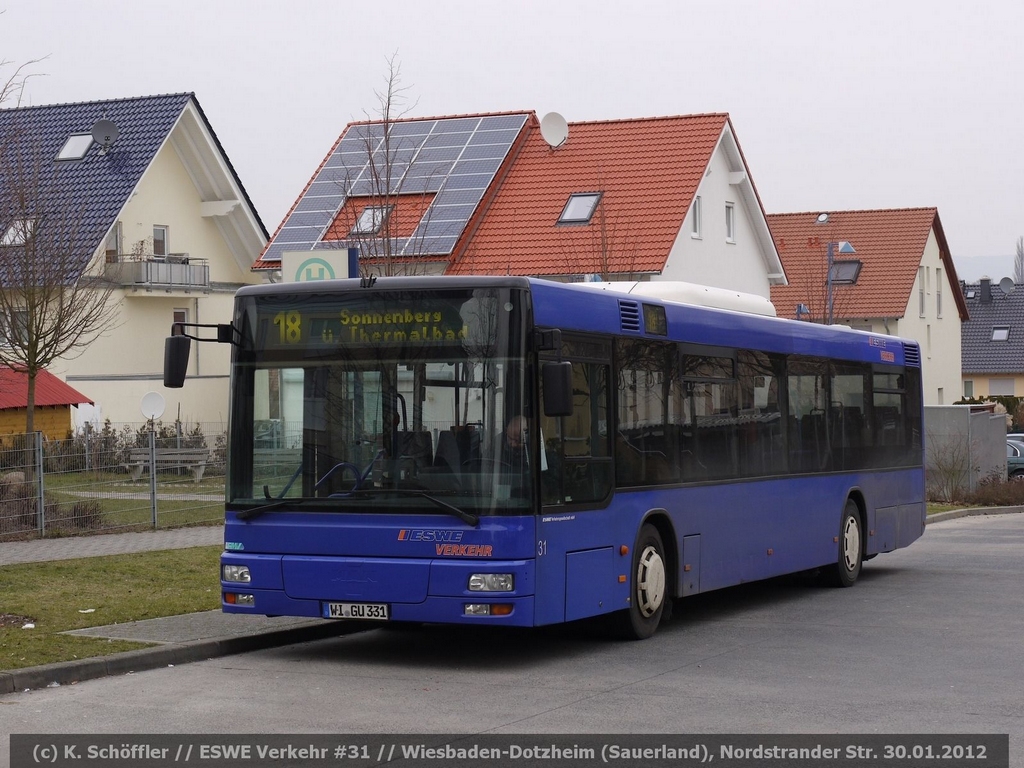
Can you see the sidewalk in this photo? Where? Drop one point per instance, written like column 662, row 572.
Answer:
column 177, row 639
column 39, row 550
column 197, row 636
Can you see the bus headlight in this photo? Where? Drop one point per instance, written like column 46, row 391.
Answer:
column 492, row 582
column 236, row 573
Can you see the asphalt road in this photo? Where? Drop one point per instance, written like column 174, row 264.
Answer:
column 930, row 640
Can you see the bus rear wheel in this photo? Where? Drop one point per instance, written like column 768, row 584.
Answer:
column 851, row 550
column 649, row 581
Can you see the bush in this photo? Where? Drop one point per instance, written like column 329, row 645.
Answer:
column 997, row 491
column 18, row 514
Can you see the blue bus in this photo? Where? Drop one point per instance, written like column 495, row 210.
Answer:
column 520, row 452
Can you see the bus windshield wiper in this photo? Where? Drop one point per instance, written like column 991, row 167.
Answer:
column 275, row 503
column 466, row 517
column 248, row 514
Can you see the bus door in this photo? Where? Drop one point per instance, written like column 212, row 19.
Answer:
column 578, row 562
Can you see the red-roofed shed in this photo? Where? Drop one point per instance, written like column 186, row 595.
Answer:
column 53, row 402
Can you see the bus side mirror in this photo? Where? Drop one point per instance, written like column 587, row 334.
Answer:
column 556, row 381
column 176, row 353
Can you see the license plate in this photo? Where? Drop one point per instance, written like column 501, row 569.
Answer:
column 374, row 611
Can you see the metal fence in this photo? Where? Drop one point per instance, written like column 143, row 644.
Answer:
column 118, row 478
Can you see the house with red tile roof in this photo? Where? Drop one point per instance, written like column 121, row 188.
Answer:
column 667, row 198
column 53, row 403
column 891, row 272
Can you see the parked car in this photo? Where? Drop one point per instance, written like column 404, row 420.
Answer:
column 1015, row 459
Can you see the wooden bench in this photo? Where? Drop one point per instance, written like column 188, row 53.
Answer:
column 193, row 459
column 274, row 457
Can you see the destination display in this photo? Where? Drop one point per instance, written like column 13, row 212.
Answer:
column 377, row 320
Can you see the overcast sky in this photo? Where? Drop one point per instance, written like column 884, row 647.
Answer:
column 837, row 106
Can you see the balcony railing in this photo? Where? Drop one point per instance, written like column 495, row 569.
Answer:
column 176, row 271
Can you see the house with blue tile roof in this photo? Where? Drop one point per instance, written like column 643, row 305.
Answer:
column 160, row 214
column 992, row 347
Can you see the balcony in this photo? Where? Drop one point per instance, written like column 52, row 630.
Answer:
column 173, row 272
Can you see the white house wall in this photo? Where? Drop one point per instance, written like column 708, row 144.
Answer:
column 711, row 259
column 939, row 336
column 126, row 362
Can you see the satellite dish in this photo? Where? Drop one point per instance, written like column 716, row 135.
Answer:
column 152, row 405
column 1006, row 285
column 554, row 129
column 104, row 133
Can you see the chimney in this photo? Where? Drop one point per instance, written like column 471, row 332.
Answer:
column 986, row 290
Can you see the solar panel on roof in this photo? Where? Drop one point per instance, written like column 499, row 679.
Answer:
column 456, row 158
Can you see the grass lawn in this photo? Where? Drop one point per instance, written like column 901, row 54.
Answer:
column 94, row 501
column 934, row 508
column 118, row 588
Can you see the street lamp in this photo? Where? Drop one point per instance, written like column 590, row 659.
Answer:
column 843, row 248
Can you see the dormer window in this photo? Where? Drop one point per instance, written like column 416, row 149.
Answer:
column 371, row 220
column 845, row 272
column 580, row 208
column 1001, row 333
column 75, row 147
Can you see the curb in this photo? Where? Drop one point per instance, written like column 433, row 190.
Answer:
column 68, row 673
column 953, row 514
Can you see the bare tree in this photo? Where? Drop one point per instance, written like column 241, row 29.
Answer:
column 51, row 306
column 393, row 190
column 813, row 282
column 607, row 247
column 1018, row 262
column 12, row 86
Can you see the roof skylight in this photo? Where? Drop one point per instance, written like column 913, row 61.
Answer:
column 75, row 147
column 845, row 272
column 371, row 220
column 580, row 208
column 1001, row 333
column 19, row 232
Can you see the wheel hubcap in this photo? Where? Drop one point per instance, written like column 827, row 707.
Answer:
column 650, row 582
column 851, row 543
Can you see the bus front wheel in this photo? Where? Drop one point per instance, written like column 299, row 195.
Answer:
column 649, row 581
column 851, row 550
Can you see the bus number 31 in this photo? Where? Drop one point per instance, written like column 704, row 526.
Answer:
column 542, row 548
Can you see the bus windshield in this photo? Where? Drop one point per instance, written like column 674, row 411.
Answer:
column 384, row 400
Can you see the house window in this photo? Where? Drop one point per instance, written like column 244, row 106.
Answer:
column 1000, row 387
column 920, row 291
column 580, row 207
column 845, row 272
column 17, row 331
column 1001, row 333
column 113, row 244
column 75, row 147
column 695, row 218
column 968, row 387
column 730, row 223
column 159, row 241
column 180, row 316
column 371, row 220
column 19, row 232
